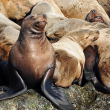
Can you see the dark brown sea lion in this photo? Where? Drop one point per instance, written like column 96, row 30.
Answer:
column 95, row 16
column 90, row 62
column 90, row 69
column 31, row 63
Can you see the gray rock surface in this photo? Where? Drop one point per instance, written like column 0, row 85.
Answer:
column 83, row 98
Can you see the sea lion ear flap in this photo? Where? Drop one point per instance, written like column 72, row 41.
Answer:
column 90, row 62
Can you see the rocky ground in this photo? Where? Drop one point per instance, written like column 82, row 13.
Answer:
column 83, row 98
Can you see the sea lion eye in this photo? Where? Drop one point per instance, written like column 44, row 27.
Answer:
column 87, row 37
column 31, row 16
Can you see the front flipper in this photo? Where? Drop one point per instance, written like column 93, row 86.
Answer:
column 16, row 84
column 54, row 93
column 90, row 63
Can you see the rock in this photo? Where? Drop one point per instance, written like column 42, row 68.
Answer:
column 83, row 98
column 45, row 8
column 79, row 8
column 2, row 10
column 106, row 5
column 70, row 58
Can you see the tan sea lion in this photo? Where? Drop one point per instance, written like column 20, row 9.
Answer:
column 70, row 58
column 31, row 63
column 100, row 75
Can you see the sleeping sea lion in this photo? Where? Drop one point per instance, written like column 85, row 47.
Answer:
column 95, row 16
column 70, row 58
column 31, row 63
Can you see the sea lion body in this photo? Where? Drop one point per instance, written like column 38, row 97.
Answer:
column 32, row 62
column 30, row 55
column 31, row 70
column 70, row 58
column 100, row 75
column 90, row 69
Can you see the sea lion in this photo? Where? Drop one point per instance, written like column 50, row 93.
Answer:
column 70, row 57
column 63, row 27
column 79, row 8
column 100, row 77
column 91, row 67
column 95, row 16
column 31, row 63
column 90, row 62
column 106, row 5
column 44, row 7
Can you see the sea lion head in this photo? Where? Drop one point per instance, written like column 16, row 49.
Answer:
column 89, row 37
column 85, row 37
column 95, row 16
column 33, row 24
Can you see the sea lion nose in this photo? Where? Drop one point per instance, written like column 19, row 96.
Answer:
column 98, row 32
column 93, row 11
column 44, row 15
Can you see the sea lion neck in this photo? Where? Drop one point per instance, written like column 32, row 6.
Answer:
column 80, row 43
column 77, row 41
column 29, row 38
column 30, row 33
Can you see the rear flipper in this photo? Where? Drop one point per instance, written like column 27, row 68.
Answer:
column 55, row 94
column 16, row 84
column 99, row 87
